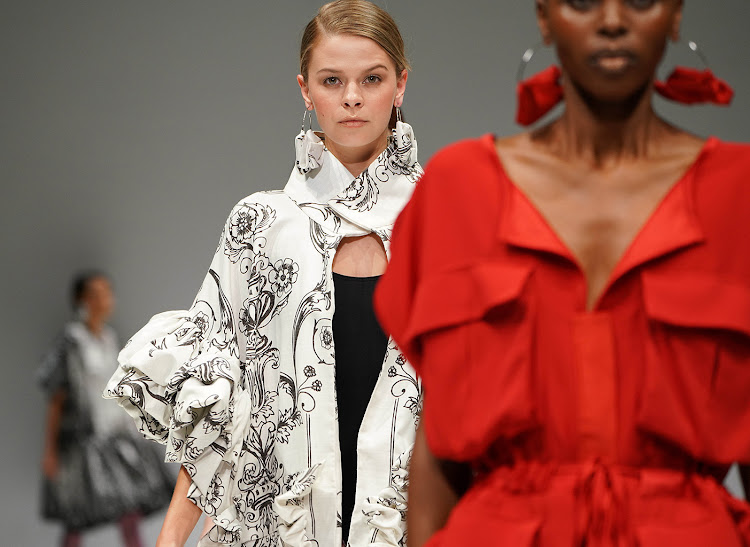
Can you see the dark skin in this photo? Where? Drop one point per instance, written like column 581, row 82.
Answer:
column 596, row 174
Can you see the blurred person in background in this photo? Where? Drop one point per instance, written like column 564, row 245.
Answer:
column 97, row 469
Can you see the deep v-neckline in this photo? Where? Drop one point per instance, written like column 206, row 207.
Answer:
column 669, row 226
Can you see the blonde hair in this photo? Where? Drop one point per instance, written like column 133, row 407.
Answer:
column 357, row 18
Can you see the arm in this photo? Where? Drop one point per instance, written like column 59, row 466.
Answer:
column 435, row 487
column 52, row 431
column 745, row 475
column 182, row 515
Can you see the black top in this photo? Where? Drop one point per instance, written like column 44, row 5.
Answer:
column 360, row 346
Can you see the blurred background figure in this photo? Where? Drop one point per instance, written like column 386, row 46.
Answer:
column 96, row 468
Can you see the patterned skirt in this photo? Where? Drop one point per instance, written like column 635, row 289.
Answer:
column 101, row 479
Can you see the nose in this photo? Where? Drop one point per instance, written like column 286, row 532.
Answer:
column 352, row 95
column 613, row 19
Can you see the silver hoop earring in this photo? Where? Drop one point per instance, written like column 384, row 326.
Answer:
column 526, row 59
column 695, row 49
column 306, row 117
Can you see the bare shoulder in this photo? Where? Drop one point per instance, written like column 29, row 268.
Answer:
column 680, row 144
column 528, row 155
column 519, row 144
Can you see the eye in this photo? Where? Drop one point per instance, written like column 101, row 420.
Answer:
column 373, row 79
column 641, row 4
column 582, row 5
column 331, row 80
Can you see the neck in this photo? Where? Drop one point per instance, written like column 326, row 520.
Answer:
column 357, row 159
column 94, row 324
column 603, row 134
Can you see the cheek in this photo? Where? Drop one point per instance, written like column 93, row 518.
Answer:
column 382, row 101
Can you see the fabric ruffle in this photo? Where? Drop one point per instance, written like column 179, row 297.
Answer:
column 308, row 148
column 366, row 203
column 405, row 145
column 595, row 505
column 386, row 512
column 101, row 479
column 182, row 390
column 292, row 515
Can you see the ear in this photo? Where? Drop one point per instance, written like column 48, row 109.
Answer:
column 400, row 88
column 305, row 92
column 542, row 20
column 674, row 34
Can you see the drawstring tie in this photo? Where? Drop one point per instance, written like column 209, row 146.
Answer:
column 602, row 515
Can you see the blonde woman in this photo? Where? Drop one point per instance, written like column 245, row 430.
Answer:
column 282, row 440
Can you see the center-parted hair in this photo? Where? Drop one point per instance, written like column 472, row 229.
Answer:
column 357, row 18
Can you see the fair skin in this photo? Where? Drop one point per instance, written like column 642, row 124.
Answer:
column 352, row 85
column 595, row 174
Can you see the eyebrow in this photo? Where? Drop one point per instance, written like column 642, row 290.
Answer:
column 334, row 71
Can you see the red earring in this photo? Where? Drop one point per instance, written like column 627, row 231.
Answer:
column 537, row 95
column 691, row 86
column 541, row 92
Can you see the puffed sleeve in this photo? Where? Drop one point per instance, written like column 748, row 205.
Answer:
column 180, row 376
column 52, row 374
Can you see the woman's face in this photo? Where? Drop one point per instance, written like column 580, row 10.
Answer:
column 352, row 85
column 98, row 298
column 609, row 48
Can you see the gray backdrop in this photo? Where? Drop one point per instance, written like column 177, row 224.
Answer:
column 130, row 128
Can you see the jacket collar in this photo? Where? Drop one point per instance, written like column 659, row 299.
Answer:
column 322, row 187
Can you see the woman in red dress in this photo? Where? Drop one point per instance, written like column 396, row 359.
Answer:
column 577, row 302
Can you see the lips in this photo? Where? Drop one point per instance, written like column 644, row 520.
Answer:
column 352, row 122
column 612, row 60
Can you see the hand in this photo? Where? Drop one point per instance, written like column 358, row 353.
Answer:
column 50, row 464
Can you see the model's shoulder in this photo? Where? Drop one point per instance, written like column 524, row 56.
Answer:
column 724, row 165
column 264, row 203
column 737, row 154
column 461, row 167
column 266, row 197
column 460, row 152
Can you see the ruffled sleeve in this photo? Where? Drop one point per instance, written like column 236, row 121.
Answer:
column 180, row 376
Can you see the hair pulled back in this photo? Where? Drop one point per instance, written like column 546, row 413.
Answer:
column 356, row 18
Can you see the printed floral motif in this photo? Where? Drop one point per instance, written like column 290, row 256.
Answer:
column 213, row 497
column 406, row 385
column 283, row 276
column 323, row 341
column 248, row 221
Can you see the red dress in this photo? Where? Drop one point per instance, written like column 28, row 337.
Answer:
column 607, row 427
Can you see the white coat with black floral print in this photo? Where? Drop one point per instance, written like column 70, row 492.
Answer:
column 241, row 386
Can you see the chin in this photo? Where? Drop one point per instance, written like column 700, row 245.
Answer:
column 615, row 93
column 353, row 138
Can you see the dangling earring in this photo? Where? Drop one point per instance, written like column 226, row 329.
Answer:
column 405, row 142
column 308, row 147
column 537, row 94
column 692, row 86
